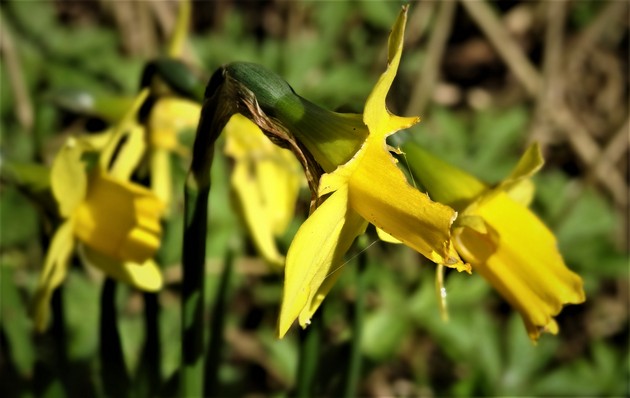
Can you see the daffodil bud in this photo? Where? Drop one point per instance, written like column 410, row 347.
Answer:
column 331, row 138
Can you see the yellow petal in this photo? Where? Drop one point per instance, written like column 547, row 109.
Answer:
column 525, row 266
column 53, row 273
column 518, row 185
column 144, row 276
column 129, row 153
column 379, row 191
column 266, row 180
column 522, row 191
column 96, row 142
column 385, row 237
column 376, row 116
column 161, row 179
column 119, row 219
column 68, row 177
column 529, row 164
column 120, row 131
column 315, row 258
column 279, row 182
column 169, row 116
column 254, row 211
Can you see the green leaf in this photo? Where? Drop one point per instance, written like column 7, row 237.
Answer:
column 16, row 323
column 19, row 221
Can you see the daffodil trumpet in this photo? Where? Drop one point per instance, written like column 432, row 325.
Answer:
column 501, row 238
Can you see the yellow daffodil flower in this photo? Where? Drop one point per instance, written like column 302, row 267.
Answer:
column 113, row 222
column 367, row 188
column 502, row 239
column 266, row 180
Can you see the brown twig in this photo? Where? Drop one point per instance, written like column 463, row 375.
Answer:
column 505, row 45
column 23, row 105
column 428, row 74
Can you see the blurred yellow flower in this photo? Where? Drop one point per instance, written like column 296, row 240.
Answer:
column 502, row 239
column 113, row 222
column 266, row 180
column 368, row 188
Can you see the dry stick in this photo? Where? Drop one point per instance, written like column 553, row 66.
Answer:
column 614, row 12
column 604, row 166
column 578, row 136
column 553, row 85
column 24, row 107
column 419, row 22
column 505, row 45
column 590, row 153
column 428, row 74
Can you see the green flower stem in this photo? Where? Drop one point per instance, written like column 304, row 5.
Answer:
column 217, row 327
column 354, row 366
column 193, row 262
column 148, row 379
column 113, row 369
column 310, row 339
column 214, row 116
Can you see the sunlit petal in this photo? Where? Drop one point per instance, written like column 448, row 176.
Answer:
column 316, row 257
column 68, row 178
column 120, row 219
column 266, row 180
column 161, row 178
column 170, row 116
column 399, row 209
column 145, row 276
column 53, row 273
column 376, row 116
column 121, row 130
column 129, row 153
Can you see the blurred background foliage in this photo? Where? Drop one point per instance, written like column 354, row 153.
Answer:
column 479, row 110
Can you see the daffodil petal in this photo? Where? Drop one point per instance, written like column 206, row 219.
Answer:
column 145, row 276
column 168, row 118
column 255, row 214
column 96, row 141
column 279, row 185
column 53, row 273
column 473, row 222
column 385, row 237
column 315, row 256
column 376, row 116
column 129, row 154
column 119, row 218
column 522, row 191
column 161, row 179
column 68, row 177
column 525, row 266
column 127, row 123
column 529, row 164
column 399, row 209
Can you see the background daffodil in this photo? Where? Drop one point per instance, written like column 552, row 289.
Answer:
column 368, row 188
column 502, row 239
column 113, row 222
column 266, row 180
